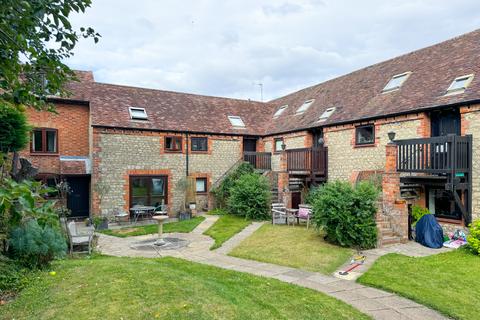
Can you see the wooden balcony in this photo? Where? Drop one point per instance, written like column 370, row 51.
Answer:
column 442, row 162
column 259, row 160
column 312, row 161
column 437, row 155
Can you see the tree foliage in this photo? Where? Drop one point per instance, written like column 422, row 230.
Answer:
column 346, row 213
column 35, row 37
column 13, row 128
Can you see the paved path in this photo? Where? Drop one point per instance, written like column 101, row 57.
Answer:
column 239, row 237
column 376, row 303
column 411, row 249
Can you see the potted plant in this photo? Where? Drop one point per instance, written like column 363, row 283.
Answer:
column 100, row 222
column 186, row 185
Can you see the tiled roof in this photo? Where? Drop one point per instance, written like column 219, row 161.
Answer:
column 175, row 111
column 355, row 96
column 358, row 95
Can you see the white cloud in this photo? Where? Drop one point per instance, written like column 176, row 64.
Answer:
column 227, row 47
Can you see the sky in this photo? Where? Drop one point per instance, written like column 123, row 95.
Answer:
column 228, row 48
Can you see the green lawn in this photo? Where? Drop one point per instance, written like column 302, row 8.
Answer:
column 226, row 227
column 294, row 247
column 448, row 282
column 184, row 226
column 166, row 288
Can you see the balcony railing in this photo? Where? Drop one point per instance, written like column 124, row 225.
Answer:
column 437, row 155
column 259, row 160
column 313, row 160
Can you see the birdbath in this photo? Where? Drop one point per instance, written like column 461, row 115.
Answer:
column 160, row 220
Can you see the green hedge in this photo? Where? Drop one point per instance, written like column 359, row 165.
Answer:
column 346, row 213
column 222, row 192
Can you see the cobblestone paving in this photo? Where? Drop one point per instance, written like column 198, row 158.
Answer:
column 376, row 303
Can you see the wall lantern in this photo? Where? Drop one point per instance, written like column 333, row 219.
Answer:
column 391, row 136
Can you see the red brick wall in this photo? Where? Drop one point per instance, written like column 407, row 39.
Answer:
column 72, row 123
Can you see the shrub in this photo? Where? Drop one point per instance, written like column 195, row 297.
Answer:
column 13, row 128
column 12, row 276
column 250, row 197
column 222, row 192
column 473, row 238
column 346, row 213
column 417, row 213
column 35, row 246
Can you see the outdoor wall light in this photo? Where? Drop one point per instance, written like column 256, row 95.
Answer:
column 284, row 146
column 391, row 136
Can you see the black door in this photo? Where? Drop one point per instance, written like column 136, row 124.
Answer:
column 78, row 201
column 445, row 123
column 317, row 138
column 249, row 145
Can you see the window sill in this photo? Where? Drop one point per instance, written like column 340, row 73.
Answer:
column 369, row 145
column 199, row 152
column 202, row 193
column 173, row 151
column 51, row 154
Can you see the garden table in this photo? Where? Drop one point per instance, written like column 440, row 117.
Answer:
column 140, row 211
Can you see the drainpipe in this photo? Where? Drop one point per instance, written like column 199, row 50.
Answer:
column 186, row 156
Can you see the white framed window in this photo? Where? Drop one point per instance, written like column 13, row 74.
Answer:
column 280, row 111
column 304, row 107
column 460, row 84
column 137, row 113
column 396, row 82
column 201, row 185
column 236, row 121
column 326, row 114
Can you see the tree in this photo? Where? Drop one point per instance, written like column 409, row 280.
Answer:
column 35, row 37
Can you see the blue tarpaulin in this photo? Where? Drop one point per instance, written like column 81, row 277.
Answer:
column 428, row 232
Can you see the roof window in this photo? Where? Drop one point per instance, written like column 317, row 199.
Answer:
column 460, row 84
column 304, row 107
column 280, row 111
column 396, row 82
column 326, row 114
column 236, row 121
column 137, row 113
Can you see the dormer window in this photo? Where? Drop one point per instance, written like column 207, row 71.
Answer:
column 396, row 82
column 460, row 84
column 137, row 113
column 280, row 111
column 326, row 114
column 236, row 121
column 304, row 107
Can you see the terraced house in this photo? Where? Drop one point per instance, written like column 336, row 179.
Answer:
column 414, row 120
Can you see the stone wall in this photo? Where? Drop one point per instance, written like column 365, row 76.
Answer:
column 120, row 153
column 471, row 125
column 345, row 159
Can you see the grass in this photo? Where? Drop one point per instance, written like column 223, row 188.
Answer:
column 184, row 226
column 224, row 228
column 217, row 212
column 294, row 247
column 166, row 288
column 448, row 282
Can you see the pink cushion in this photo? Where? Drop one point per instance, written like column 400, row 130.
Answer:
column 303, row 213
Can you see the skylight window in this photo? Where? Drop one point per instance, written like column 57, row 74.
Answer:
column 325, row 115
column 460, row 84
column 138, row 113
column 280, row 111
column 304, row 107
column 236, row 121
column 396, row 82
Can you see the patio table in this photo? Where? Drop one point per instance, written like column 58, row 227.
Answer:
column 140, row 211
column 291, row 213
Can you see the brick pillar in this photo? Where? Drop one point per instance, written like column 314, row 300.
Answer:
column 395, row 209
column 284, row 194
